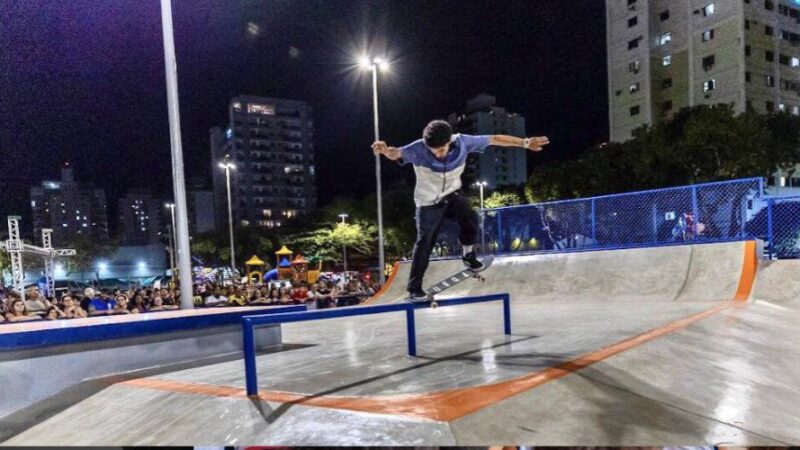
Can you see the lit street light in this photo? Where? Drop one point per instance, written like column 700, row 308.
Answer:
column 344, row 216
column 374, row 64
column 481, row 185
column 228, row 166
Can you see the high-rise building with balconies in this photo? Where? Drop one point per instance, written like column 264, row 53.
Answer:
column 270, row 141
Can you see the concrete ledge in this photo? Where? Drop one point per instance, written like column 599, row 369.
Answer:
column 37, row 364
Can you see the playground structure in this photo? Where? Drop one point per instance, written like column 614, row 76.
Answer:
column 16, row 248
column 294, row 269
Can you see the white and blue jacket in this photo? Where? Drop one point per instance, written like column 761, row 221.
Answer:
column 438, row 179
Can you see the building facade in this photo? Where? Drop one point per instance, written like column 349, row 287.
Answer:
column 71, row 209
column 664, row 55
column 497, row 166
column 271, row 143
column 140, row 218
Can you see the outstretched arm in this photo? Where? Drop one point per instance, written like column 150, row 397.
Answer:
column 393, row 153
column 534, row 143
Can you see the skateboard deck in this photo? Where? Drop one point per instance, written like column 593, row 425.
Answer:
column 455, row 279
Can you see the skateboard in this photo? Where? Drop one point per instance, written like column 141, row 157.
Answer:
column 455, row 279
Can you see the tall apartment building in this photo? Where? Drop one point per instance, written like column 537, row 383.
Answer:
column 271, row 142
column 140, row 218
column 71, row 209
column 664, row 55
column 497, row 166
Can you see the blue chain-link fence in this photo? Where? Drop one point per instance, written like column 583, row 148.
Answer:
column 712, row 212
column 778, row 224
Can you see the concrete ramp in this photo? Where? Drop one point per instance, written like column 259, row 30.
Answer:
column 778, row 282
column 704, row 272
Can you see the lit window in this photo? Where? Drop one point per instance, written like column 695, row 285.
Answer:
column 782, row 107
column 796, row 110
column 267, row 110
column 633, row 67
column 709, row 85
column 667, row 60
column 665, row 39
column 708, row 35
column 634, row 88
column 795, row 62
column 708, row 10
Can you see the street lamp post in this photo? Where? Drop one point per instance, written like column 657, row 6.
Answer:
column 481, row 185
column 344, row 216
column 179, row 185
column 173, row 251
column 373, row 64
column 228, row 166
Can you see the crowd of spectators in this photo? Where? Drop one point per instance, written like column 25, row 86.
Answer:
column 322, row 294
column 105, row 302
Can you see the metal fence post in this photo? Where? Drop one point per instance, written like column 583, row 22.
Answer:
column 499, row 232
column 770, row 236
column 250, row 358
column 594, row 223
column 695, row 211
column 411, row 330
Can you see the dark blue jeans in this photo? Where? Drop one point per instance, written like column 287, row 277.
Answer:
column 429, row 220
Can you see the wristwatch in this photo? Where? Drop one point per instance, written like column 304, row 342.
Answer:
column 526, row 143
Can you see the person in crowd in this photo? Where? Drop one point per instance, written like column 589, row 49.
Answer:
column 71, row 309
column 138, row 303
column 285, row 298
column 53, row 313
column 274, row 297
column 237, row 298
column 259, row 297
column 324, row 294
column 157, row 304
column 121, row 306
column 101, row 305
column 299, row 294
column 35, row 303
column 18, row 312
column 216, row 298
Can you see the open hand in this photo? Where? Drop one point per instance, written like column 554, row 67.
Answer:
column 538, row 142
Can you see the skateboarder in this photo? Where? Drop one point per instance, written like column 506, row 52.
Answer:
column 439, row 159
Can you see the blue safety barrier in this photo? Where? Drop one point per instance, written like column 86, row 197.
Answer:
column 250, row 322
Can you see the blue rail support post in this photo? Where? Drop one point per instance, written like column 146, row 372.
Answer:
column 411, row 330
column 507, row 314
column 250, row 357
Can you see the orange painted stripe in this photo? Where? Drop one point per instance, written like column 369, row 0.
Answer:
column 442, row 406
column 749, row 269
column 455, row 403
column 385, row 288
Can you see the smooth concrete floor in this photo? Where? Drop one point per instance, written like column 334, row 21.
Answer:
column 731, row 378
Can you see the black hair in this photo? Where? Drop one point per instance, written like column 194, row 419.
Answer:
column 437, row 133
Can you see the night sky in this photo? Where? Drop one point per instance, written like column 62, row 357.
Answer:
column 83, row 80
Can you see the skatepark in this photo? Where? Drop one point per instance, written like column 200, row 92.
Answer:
column 664, row 345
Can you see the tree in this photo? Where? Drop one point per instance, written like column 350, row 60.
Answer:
column 501, row 198
column 326, row 242
column 700, row 144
